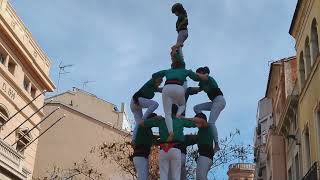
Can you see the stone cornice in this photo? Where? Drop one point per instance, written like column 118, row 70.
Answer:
column 22, row 37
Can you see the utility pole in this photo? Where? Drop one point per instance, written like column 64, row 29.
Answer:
column 62, row 70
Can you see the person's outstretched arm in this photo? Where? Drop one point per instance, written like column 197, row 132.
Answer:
column 200, row 123
column 197, row 76
column 159, row 74
column 152, row 122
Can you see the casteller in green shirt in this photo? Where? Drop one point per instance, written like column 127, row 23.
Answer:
column 144, row 136
column 205, row 136
column 147, row 90
column 176, row 74
column 178, row 125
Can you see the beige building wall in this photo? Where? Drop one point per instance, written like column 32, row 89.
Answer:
column 276, row 162
column 71, row 140
column 306, row 30
column 241, row 171
column 24, row 74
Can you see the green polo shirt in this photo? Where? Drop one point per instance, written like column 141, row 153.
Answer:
column 210, row 87
column 147, row 90
column 205, row 136
column 176, row 74
column 178, row 125
column 180, row 59
column 144, row 136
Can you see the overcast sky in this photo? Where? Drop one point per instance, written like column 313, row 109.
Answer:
column 119, row 44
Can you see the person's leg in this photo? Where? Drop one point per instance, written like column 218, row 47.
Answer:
column 182, row 37
column 180, row 99
column 141, row 165
column 151, row 106
column 175, row 163
column 167, row 106
column 203, row 166
column 218, row 104
column 137, row 115
column 163, row 165
column 202, row 107
column 183, row 167
column 185, row 86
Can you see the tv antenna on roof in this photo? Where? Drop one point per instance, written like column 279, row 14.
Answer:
column 85, row 83
column 62, row 70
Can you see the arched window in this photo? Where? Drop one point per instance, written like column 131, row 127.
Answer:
column 314, row 42
column 4, row 115
column 301, row 70
column 307, row 58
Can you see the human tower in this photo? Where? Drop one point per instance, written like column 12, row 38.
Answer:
column 175, row 93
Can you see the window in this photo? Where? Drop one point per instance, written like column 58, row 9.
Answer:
column 2, row 58
column 33, row 92
column 301, row 70
column 24, row 141
column 26, row 83
column 297, row 166
column 295, row 122
column 307, row 58
column 259, row 129
column 314, row 42
column 307, row 148
column 12, row 67
column 3, row 115
column 289, row 174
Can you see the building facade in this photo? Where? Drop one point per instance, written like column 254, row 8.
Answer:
column 264, row 122
column 305, row 30
column 89, row 122
column 24, row 76
column 241, row 171
column 279, row 143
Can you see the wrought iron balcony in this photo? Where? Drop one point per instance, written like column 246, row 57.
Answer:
column 313, row 173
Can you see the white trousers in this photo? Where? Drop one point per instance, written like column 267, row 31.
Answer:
column 138, row 115
column 172, row 94
column 183, row 175
column 172, row 160
column 215, row 107
column 203, row 166
column 142, row 167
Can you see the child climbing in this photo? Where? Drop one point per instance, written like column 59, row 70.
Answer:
column 142, row 99
column 181, row 27
column 215, row 106
column 173, row 91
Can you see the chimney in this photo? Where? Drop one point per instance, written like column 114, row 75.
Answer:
column 122, row 107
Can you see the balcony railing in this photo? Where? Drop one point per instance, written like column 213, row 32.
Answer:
column 313, row 173
column 11, row 160
column 248, row 166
